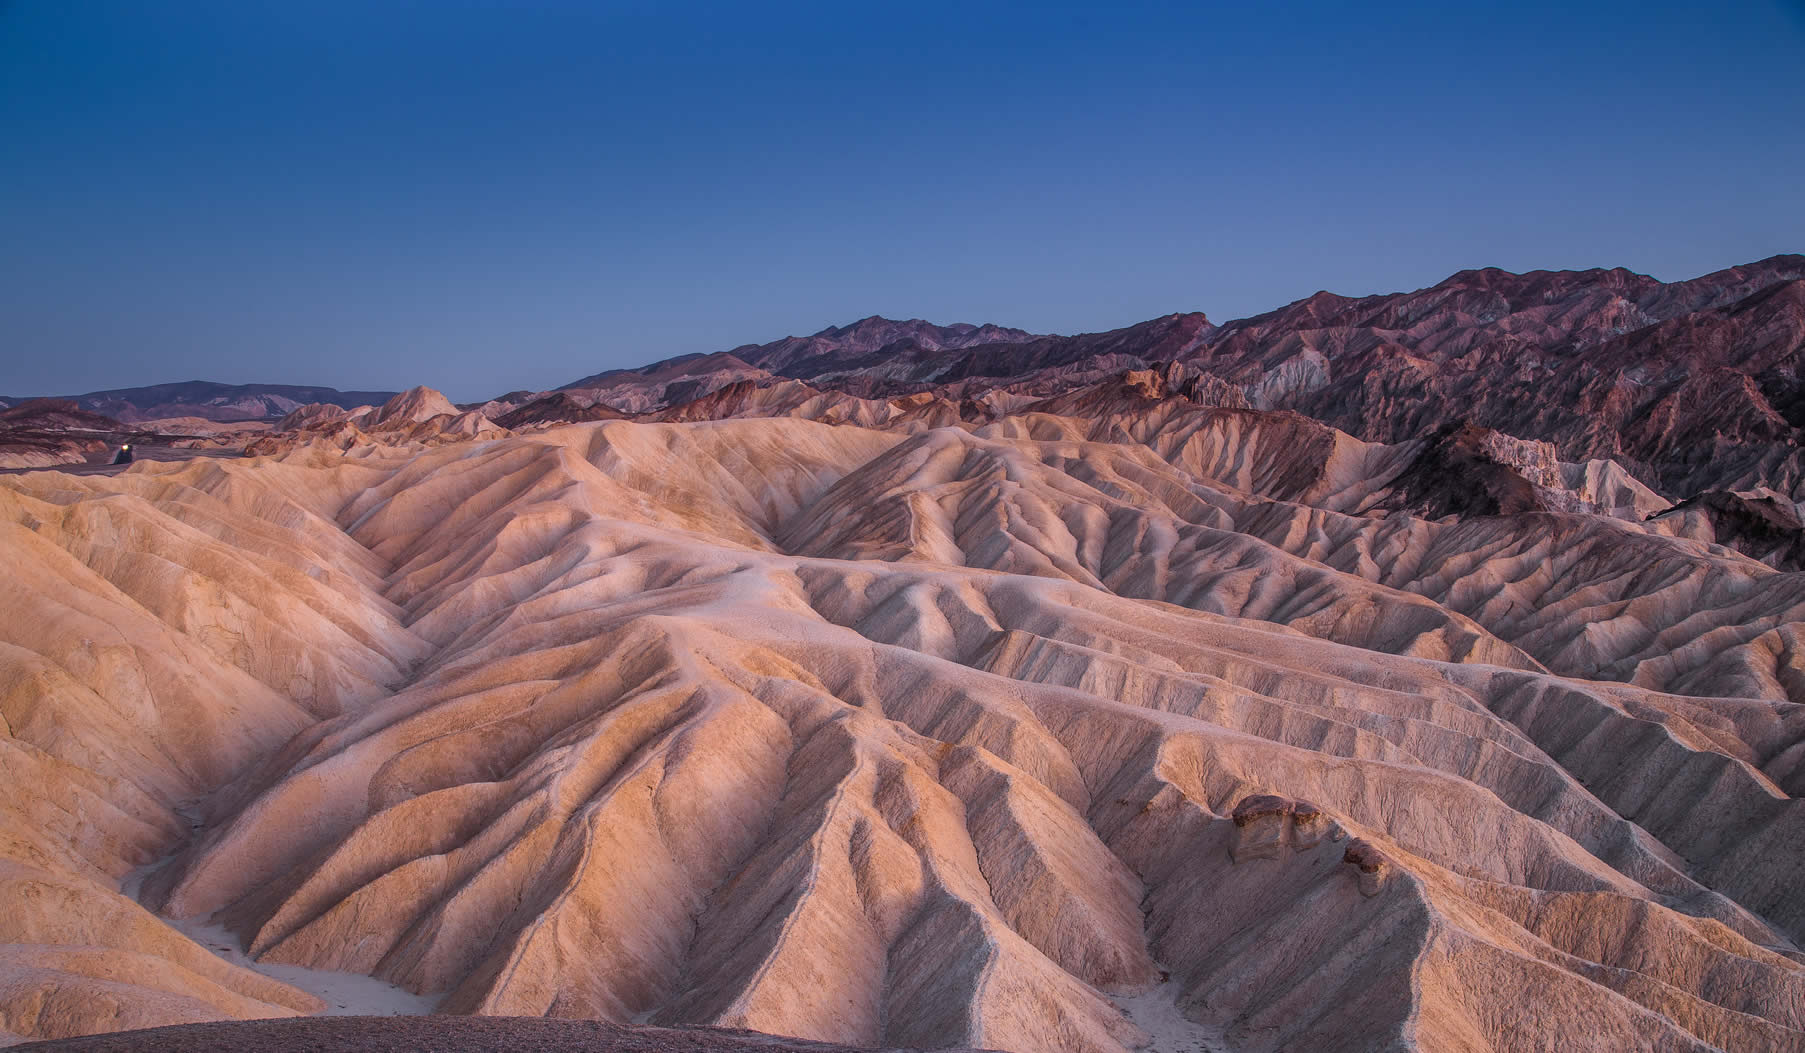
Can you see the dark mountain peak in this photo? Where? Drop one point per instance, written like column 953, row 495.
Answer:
column 1532, row 288
column 1492, row 277
column 1178, row 317
column 865, row 324
column 838, row 348
column 1476, row 277
column 670, row 368
column 1320, row 307
column 876, row 330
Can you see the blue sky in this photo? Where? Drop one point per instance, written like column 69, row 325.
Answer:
column 488, row 196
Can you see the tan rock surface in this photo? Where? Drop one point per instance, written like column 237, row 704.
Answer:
column 969, row 735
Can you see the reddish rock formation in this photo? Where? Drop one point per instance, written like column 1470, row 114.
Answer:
column 1371, row 863
column 558, row 407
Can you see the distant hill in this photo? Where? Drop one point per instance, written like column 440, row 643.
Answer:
column 1691, row 386
column 204, row 398
column 872, row 346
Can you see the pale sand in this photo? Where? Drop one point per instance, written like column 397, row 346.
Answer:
column 1157, row 1013
column 345, row 994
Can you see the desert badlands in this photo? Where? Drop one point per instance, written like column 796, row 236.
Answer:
column 1417, row 674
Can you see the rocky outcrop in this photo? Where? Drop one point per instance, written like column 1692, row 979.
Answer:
column 1472, row 471
column 314, row 413
column 1371, row 864
column 419, row 417
column 413, row 406
column 558, row 407
column 1267, row 826
column 43, row 433
column 665, row 384
column 1673, row 380
column 1760, row 524
column 55, row 415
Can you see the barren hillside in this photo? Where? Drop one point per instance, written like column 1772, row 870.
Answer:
column 1105, row 712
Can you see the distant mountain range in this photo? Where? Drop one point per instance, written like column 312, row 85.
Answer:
column 1689, row 384
column 205, row 399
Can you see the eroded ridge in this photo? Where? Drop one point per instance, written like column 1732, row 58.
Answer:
column 946, row 737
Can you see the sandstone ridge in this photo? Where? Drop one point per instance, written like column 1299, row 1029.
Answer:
column 936, row 726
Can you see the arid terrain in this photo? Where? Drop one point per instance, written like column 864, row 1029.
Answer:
column 1422, row 671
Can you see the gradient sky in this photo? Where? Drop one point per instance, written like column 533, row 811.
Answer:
column 488, row 196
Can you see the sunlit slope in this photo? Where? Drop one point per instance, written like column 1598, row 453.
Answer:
column 927, row 738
